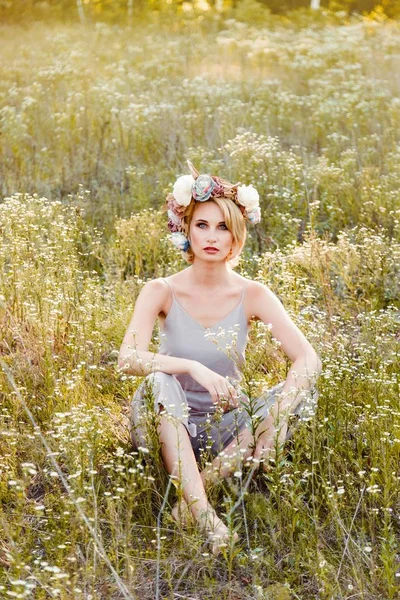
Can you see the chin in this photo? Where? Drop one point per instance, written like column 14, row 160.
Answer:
column 210, row 258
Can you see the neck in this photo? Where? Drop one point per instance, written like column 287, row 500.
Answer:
column 209, row 275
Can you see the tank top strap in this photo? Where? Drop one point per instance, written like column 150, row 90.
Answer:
column 169, row 285
column 241, row 297
column 244, row 292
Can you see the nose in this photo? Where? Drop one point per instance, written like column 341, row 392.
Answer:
column 211, row 237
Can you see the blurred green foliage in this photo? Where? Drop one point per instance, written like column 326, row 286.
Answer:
column 121, row 10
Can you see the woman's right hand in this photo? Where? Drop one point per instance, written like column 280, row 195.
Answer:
column 222, row 392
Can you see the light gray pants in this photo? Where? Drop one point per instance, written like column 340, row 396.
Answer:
column 209, row 433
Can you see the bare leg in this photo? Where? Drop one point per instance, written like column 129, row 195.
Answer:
column 227, row 461
column 230, row 459
column 180, row 462
column 235, row 454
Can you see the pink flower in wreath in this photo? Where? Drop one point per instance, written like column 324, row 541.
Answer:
column 177, row 209
column 174, row 222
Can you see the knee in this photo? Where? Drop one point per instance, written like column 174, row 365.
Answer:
column 160, row 394
column 247, row 445
column 155, row 381
column 242, row 448
column 307, row 407
column 159, row 387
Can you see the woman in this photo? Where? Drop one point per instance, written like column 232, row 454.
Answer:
column 195, row 382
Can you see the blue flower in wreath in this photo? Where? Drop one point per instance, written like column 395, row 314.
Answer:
column 180, row 241
column 203, row 188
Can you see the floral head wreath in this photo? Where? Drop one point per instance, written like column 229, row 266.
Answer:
column 200, row 188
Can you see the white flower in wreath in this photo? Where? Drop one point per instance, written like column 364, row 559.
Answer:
column 183, row 190
column 248, row 196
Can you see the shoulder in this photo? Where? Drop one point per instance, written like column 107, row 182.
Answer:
column 260, row 300
column 154, row 286
column 258, row 290
column 154, row 294
column 254, row 289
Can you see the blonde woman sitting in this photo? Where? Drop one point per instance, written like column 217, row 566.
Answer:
column 193, row 380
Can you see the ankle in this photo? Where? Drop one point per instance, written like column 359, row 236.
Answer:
column 197, row 507
column 208, row 519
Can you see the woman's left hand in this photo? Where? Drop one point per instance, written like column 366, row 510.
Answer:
column 228, row 403
column 271, row 438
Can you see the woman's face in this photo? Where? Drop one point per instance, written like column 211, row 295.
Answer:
column 210, row 239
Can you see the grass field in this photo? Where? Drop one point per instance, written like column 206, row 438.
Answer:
column 95, row 125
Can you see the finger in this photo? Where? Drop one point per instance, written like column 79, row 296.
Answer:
column 214, row 396
column 266, row 451
column 227, row 397
column 225, row 394
column 235, row 400
column 224, row 402
column 269, row 457
column 221, row 396
column 232, row 391
column 262, row 452
column 231, row 402
column 233, row 397
column 257, row 453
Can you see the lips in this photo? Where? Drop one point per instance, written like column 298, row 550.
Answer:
column 211, row 249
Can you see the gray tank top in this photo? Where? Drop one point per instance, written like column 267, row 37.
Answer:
column 221, row 348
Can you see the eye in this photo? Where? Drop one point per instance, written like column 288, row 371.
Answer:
column 201, row 225
column 224, row 227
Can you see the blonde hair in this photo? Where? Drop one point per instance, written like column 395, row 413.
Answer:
column 234, row 221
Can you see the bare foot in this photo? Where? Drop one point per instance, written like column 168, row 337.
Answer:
column 181, row 513
column 217, row 532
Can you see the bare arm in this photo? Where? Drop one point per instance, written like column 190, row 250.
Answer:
column 306, row 364
column 134, row 357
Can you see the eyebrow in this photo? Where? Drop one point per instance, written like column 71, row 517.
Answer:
column 204, row 221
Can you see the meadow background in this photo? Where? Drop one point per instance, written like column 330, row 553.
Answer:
column 96, row 122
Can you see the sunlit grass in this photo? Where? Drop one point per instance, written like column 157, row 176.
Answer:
column 99, row 122
column 308, row 110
